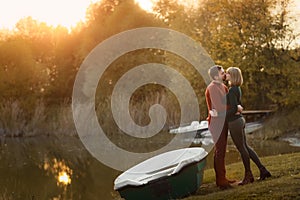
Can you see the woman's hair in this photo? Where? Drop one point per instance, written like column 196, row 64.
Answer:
column 236, row 77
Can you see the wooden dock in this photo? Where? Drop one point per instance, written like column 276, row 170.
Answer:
column 253, row 112
column 256, row 115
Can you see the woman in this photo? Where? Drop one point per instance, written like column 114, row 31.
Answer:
column 236, row 125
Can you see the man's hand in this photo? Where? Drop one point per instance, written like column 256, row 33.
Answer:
column 213, row 113
column 240, row 109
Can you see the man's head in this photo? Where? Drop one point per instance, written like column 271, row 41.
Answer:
column 217, row 73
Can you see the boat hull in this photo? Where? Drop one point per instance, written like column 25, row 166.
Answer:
column 184, row 183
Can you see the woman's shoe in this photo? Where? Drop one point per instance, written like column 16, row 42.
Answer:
column 247, row 179
column 264, row 173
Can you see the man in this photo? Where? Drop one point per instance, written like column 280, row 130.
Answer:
column 216, row 101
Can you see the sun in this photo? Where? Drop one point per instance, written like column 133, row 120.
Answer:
column 66, row 13
column 146, row 5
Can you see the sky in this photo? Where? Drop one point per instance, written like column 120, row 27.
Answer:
column 69, row 12
column 54, row 12
column 295, row 13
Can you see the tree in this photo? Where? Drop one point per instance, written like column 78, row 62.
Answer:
column 21, row 76
column 107, row 18
column 53, row 51
column 247, row 34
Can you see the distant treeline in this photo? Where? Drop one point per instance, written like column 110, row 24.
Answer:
column 38, row 61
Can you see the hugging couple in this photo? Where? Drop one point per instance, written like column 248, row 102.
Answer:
column 225, row 113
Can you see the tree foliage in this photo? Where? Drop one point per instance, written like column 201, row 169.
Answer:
column 249, row 35
column 38, row 60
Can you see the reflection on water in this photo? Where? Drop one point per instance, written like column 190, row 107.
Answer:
column 292, row 139
column 58, row 168
column 52, row 168
column 63, row 178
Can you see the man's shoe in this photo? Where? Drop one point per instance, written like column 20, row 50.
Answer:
column 231, row 181
column 225, row 187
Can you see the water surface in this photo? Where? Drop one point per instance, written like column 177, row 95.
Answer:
column 53, row 168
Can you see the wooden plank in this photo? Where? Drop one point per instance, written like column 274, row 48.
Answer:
column 250, row 112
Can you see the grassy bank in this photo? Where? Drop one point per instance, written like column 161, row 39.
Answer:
column 282, row 122
column 21, row 119
column 284, row 183
column 28, row 117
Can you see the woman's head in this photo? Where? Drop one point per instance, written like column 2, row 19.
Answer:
column 234, row 76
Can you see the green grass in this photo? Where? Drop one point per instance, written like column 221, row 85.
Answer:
column 284, row 183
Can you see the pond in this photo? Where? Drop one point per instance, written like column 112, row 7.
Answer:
column 292, row 138
column 43, row 167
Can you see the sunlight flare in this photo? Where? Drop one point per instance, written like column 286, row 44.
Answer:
column 66, row 13
column 60, row 170
column 64, row 178
column 146, row 5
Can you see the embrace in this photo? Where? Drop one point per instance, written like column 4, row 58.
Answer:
column 225, row 113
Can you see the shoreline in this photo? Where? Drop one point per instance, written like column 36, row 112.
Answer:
column 284, row 183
